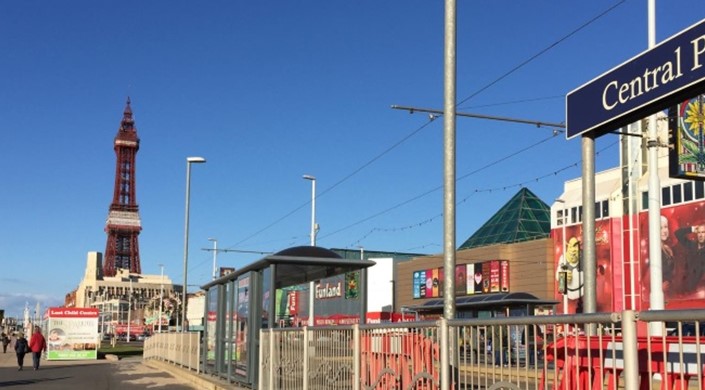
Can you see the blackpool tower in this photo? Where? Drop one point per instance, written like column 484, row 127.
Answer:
column 123, row 224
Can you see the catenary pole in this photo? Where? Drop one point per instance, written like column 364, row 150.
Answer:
column 448, row 354
column 654, row 213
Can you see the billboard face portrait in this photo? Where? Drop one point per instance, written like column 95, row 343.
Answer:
column 682, row 235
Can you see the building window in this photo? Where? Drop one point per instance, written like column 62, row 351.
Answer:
column 688, row 191
column 665, row 196
column 574, row 214
column 602, row 209
column 677, row 198
column 598, row 210
column 645, row 200
column 559, row 218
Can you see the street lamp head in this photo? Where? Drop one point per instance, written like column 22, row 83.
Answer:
column 309, row 177
column 559, row 200
column 212, row 239
column 195, row 160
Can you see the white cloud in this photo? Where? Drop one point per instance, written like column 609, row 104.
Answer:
column 14, row 303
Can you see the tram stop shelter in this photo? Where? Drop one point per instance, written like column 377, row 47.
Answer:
column 241, row 303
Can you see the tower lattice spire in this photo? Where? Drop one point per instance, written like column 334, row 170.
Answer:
column 124, row 225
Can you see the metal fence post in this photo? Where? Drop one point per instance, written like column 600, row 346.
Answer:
column 263, row 333
column 631, row 356
column 306, row 357
column 198, row 354
column 445, row 358
column 274, row 352
column 356, row 357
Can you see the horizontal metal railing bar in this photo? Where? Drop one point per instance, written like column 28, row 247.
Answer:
column 671, row 315
column 588, row 318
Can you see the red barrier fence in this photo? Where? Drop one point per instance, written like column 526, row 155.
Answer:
column 585, row 362
column 395, row 360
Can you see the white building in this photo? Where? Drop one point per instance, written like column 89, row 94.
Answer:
column 126, row 296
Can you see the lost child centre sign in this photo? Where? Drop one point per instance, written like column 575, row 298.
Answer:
column 651, row 81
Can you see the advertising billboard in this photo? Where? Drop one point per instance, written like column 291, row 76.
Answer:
column 570, row 272
column 477, row 278
column 72, row 333
column 682, row 235
column 686, row 159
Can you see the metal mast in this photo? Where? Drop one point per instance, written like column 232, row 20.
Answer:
column 123, row 224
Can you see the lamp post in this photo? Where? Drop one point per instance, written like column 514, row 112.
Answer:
column 563, row 223
column 215, row 254
column 312, row 285
column 129, row 310
column 161, row 298
column 189, row 161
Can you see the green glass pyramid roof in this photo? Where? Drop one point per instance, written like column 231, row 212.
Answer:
column 524, row 217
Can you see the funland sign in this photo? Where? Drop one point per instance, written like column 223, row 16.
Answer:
column 652, row 81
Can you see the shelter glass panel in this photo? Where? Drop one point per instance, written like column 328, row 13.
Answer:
column 212, row 305
column 227, row 343
column 266, row 296
column 241, row 330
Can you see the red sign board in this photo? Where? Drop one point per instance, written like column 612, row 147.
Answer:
column 66, row 312
column 293, row 302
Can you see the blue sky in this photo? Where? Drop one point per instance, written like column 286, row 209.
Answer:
column 268, row 92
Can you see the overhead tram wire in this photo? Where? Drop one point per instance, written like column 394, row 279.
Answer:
column 341, row 181
column 542, row 52
column 473, row 193
column 561, row 97
column 431, row 120
column 411, row 110
column 441, row 186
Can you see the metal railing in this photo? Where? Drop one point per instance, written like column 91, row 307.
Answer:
column 178, row 348
column 585, row 351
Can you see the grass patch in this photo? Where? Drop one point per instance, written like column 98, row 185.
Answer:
column 120, row 350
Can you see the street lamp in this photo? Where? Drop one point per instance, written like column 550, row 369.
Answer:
column 314, row 226
column 564, row 220
column 215, row 254
column 161, row 298
column 314, row 229
column 129, row 311
column 189, row 161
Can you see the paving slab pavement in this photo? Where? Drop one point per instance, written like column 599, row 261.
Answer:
column 128, row 373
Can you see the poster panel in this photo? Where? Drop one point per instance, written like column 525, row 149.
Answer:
column 478, row 277
column 494, row 276
column 470, row 275
column 416, row 284
column 682, row 237
column 352, row 285
column 72, row 333
column 460, row 279
column 504, row 275
column 486, row 277
column 475, row 278
column 686, row 159
column 569, row 268
column 211, row 319
column 241, row 330
column 422, row 284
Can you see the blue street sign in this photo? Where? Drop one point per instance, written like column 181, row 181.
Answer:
column 651, row 81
